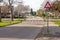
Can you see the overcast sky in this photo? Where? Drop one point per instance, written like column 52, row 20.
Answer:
column 35, row 4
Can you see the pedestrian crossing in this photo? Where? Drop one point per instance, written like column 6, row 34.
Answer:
column 33, row 22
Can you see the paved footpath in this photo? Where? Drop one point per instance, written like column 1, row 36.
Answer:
column 54, row 32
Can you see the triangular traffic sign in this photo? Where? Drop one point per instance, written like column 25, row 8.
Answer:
column 48, row 5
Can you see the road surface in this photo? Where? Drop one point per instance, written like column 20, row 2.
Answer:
column 19, row 32
column 34, row 27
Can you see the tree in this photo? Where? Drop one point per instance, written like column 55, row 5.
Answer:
column 0, row 10
column 22, row 9
column 40, row 12
column 4, row 9
column 34, row 13
column 56, row 8
column 31, row 11
column 0, row 13
column 11, row 8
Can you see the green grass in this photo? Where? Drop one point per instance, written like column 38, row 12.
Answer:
column 56, row 22
column 5, row 23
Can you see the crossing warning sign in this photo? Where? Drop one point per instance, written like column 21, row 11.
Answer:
column 48, row 5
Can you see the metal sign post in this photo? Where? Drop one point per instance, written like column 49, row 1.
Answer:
column 48, row 24
column 48, row 5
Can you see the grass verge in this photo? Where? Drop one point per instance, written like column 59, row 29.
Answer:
column 5, row 23
column 56, row 22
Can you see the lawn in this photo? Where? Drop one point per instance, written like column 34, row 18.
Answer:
column 56, row 22
column 5, row 23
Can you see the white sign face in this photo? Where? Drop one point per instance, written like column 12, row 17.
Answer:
column 47, row 5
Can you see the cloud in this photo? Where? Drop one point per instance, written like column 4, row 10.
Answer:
column 35, row 4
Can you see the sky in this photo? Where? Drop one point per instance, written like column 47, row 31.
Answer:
column 45, row 1
column 35, row 4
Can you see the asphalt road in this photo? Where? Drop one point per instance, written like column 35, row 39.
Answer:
column 15, row 32
column 19, row 33
column 29, row 30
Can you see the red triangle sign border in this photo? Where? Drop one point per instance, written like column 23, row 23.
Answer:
column 48, row 5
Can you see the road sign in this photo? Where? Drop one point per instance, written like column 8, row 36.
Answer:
column 48, row 5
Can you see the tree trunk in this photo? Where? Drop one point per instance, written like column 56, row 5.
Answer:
column 0, row 13
column 11, row 8
column 11, row 13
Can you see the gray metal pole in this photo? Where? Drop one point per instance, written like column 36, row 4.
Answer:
column 47, row 21
column 47, row 24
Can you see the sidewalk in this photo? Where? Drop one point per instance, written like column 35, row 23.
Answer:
column 53, row 28
column 54, row 32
